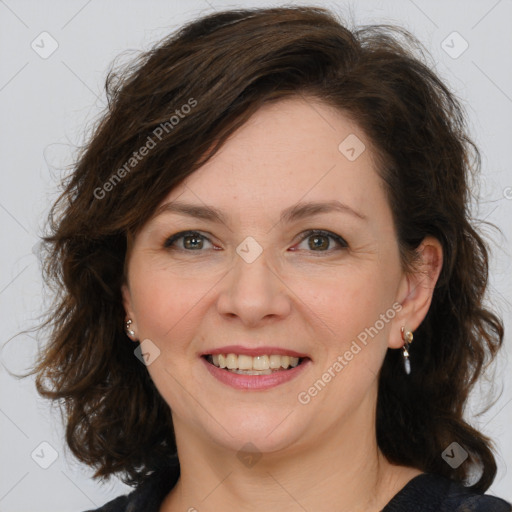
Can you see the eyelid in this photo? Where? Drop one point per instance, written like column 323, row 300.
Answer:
column 342, row 243
column 171, row 239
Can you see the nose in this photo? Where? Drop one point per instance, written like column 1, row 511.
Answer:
column 253, row 292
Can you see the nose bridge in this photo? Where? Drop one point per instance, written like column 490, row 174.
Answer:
column 253, row 290
column 254, row 272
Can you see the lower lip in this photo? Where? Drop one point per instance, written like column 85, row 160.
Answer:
column 255, row 382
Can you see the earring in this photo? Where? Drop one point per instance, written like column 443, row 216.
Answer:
column 128, row 328
column 407, row 337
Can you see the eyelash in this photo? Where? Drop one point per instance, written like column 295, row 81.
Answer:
column 169, row 243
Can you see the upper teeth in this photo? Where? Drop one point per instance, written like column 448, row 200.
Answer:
column 244, row 362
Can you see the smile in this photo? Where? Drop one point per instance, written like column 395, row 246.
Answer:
column 254, row 373
column 243, row 364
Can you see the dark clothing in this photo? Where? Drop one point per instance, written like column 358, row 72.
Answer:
column 424, row 493
column 432, row 493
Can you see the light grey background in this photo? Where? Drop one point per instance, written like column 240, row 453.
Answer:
column 47, row 105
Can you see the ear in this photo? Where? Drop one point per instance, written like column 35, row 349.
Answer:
column 416, row 290
column 128, row 308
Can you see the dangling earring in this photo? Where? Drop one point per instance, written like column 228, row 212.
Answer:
column 128, row 328
column 407, row 338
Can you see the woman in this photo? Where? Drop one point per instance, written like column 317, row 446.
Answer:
column 274, row 212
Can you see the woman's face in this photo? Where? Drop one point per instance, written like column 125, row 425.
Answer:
column 256, row 280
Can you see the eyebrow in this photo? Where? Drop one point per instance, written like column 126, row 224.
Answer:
column 288, row 215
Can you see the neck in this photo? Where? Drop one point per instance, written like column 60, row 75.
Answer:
column 345, row 472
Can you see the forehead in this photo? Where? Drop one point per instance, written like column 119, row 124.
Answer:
column 291, row 151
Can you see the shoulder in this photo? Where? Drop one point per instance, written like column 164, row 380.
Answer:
column 483, row 503
column 462, row 499
column 148, row 496
column 434, row 493
column 119, row 504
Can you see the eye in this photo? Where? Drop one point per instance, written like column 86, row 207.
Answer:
column 320, row 240
column 192, row 241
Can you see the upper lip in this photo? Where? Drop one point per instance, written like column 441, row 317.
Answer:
column 254, row 351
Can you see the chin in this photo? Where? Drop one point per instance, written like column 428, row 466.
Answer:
column 260, row 431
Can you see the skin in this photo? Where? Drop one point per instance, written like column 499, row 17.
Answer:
column 318, row 456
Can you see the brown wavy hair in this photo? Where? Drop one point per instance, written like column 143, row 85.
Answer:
column 225, row 66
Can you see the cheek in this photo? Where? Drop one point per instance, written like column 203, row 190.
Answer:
column 358, row 336
column 164, row 304
column 346, row 304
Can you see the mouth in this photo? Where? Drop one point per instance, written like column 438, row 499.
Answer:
column 265, row 364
